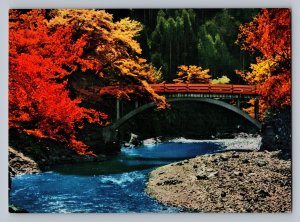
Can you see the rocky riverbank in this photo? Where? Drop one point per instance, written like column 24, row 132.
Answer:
column 225, row 182
column 37, row 161
column 21, row 164
column 241, row 141
column 28, row 154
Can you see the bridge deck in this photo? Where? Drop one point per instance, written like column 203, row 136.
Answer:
column 225, row 91
column 209, row 95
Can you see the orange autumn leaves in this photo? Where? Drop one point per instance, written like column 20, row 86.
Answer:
column 269, row 35
column 114, row 47
column 192, row 74
column 44, row 52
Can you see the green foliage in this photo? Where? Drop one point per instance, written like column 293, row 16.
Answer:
column 198, row 37
column 172, row 41
column 216, row 48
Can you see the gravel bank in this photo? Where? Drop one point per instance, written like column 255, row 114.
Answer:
column 241, row 141
column 225, row 182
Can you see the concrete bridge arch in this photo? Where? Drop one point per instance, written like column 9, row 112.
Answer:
column 109, row 133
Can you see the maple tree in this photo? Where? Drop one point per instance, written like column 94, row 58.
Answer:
column 269, row 35
column 192, row 74
column 44, row 53
column 39, row 61
column 117, row 53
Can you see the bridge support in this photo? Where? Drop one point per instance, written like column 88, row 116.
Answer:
column 118, row 109
column 238, row 102
column 256, row 109
column 109, row 136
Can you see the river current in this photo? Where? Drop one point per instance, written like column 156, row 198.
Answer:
column 113, row 186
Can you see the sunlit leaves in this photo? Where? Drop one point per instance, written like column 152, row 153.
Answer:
column 260, row 71
column 127, row 29
column 269, row 34
column 221, row 80
column 192, row 74
column 251, row 108
column 112, row 45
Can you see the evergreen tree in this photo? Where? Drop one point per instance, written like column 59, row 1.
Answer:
column 216, row 43
column 173, row 40
column 201, row 37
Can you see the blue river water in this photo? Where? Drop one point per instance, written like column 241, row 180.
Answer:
column 113, row 186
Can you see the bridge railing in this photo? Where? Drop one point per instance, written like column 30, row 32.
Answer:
column 206, row 88
column 198, row 88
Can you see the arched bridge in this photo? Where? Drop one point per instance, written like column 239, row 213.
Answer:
column 207, row 93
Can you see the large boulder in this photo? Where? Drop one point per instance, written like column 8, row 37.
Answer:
column 15, row 209
column 277, row 132
column 134, row 140
column 21, row 164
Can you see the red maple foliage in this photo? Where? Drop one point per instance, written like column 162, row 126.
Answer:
column 39, row 60
column 44, row 53
column 269, row 34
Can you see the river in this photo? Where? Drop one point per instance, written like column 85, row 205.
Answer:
column 113, row 186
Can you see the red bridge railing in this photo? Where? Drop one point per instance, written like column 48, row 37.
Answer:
column 198, row 88
column 206, row 88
